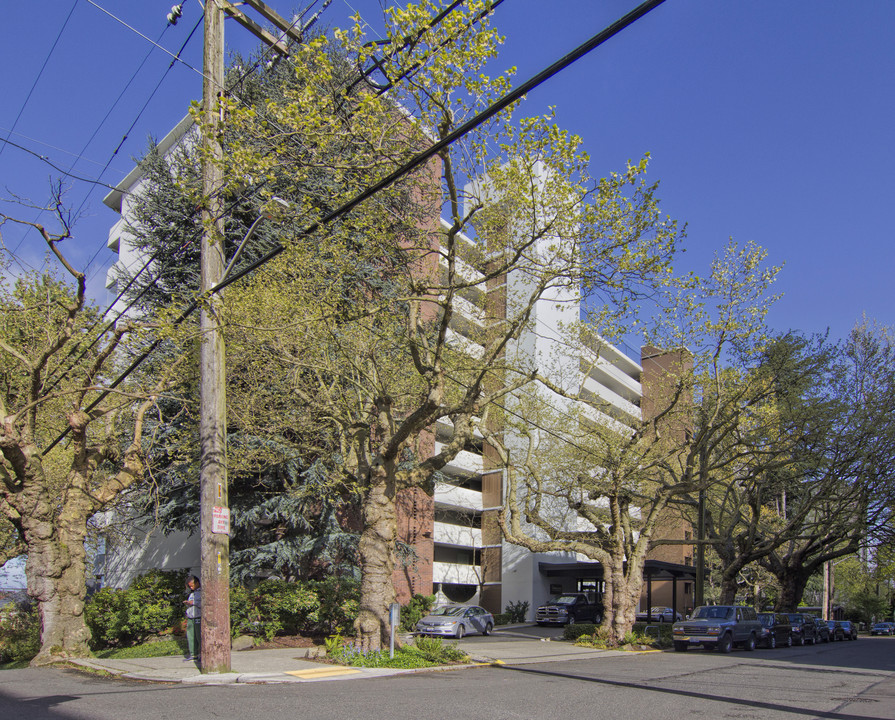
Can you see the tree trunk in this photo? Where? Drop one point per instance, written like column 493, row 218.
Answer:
column 54, row 531
column 792, row 587
column 625, row 596
column 729, row 587
column 55, row 571
column 376, row 550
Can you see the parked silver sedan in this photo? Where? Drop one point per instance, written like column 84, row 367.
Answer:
column 456, row 621
column 659, row 614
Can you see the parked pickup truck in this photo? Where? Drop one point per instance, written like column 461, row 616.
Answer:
column 718, row 626
column 568, row 608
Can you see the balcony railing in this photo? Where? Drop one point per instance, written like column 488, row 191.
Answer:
column 452, row 573
column 458, row 535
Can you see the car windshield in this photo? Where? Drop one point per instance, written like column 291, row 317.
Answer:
column 450, row 610
column 564, row 599
column 766, row 619
column 795, row 617
column 713, row 612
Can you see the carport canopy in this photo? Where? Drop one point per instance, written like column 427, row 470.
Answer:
column 652, row 570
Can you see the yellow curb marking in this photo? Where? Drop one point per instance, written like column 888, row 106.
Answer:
column 321, row 673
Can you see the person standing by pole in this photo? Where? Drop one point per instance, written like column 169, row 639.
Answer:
column 193, row 618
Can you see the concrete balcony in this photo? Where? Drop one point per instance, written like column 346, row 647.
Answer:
column 612, row 377
column 115, row 233
column 457, row 497
column 465, row 463
column 457, row 535
column 456, row 340
column 452, row 573
column 612, row 398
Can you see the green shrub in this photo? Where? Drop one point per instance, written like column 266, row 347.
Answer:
column 592, row 636
column 436, row 651
column 660, row 637
column 502, row 619
column 517, row 611
column 415, row 610
column 277, row 607
column 339, row 603
column 19, row 632
column 573, row 632
column 599, row 638
column 281, row 607
column 426, row 652
column 152, row 605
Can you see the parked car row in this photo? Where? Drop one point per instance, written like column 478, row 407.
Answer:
column 723, row 626
column 883, row 628
column 659, row 614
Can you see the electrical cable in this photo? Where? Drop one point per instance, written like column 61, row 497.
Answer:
column 189, row 240
column 40, row 72
column 134, row 123
column 405, row 169
column 266, row 53
column 52, row 147
column 147, row 39
column 378, row 64
column 58, row 169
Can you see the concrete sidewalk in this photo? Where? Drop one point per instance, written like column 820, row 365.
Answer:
column 290, row 665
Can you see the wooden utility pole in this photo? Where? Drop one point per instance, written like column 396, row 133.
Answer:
column 699, row 585
column 214, row 509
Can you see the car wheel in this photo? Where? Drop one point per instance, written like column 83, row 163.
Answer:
column 772, row 641
column 461, row 631
column 488, row 628
column 801, row 640
column 680, row 646
column 749, row 644
column 789, row 641
column 725, row 644
column 572, row 620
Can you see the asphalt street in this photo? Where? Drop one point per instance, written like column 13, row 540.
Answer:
column 839, row 681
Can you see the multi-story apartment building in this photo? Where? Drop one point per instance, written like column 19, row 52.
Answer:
column 459, row 552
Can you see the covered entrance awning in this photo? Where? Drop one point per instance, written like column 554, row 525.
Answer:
column 652, row 570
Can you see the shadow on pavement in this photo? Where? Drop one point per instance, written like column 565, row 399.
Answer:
column 752, row 704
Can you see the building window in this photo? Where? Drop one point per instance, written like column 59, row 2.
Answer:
column 688, row 560
column 688, row 535
column 688, row 588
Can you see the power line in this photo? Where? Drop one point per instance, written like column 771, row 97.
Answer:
column 58, row 169
column 136, row 120
column 147, row 39
column 405, row 169
column 52, row 147
column 40, row 72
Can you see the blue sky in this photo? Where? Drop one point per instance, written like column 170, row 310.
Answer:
column 767, row 121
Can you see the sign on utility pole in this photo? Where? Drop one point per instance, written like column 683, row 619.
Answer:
column 215, row 545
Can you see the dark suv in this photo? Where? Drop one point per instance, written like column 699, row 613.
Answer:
column 823, row 631
column 803, row 628
column 775, row 630
column 718, row 626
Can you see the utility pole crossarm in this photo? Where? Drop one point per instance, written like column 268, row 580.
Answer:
column 254, row 28
column 272, row 16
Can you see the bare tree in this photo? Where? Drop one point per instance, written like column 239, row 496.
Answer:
column 52, row 377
